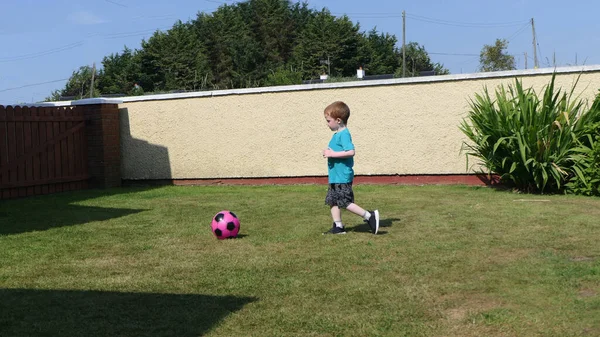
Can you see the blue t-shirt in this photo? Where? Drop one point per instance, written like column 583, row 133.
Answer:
column 340, row 169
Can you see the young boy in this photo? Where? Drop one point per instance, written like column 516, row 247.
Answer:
column 340, row 161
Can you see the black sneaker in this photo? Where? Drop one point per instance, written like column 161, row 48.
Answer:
column 373, row 221
column 336, row 230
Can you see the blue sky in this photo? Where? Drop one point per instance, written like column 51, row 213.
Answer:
column 44, row 41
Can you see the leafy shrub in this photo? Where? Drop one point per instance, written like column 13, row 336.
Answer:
column 532, row 143
column 587, row 182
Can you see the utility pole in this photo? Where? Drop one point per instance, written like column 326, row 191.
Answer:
column 403, row 44
column 328, row 63
column 525, row 60
column 93, row 74
column 535, row 59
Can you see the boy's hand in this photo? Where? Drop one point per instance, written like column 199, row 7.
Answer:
column 328, row 152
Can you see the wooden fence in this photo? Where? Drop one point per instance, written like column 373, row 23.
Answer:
column 42, row 150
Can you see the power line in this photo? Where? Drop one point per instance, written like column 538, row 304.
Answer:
column 374, row 15
column 539, row 49
column 430, row 20
column 219, row 2
column 33, row 84
column 463, row 24
column 470, row 60
column 78, row 44
column 135, row 33
column 116, row 3
column 453, row 54
column 371, row 15
column 519, row 31
column 155, row 17
column 42, row 53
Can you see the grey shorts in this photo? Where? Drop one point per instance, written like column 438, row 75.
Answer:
column 340, row 195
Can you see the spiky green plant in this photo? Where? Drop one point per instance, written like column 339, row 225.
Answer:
column 528, row 141
column 587, row 182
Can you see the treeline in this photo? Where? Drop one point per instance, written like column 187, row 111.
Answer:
column 248, row 44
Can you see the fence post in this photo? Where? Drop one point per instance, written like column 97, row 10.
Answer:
column 103, row 141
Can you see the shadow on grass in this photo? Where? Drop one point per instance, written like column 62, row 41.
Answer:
column 364, row 227
column 25, row 312
column 42, row 212
column 68, row 215
column 238, row 237
column 59, row 210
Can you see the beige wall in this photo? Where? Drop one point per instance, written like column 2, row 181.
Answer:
column 401, row 126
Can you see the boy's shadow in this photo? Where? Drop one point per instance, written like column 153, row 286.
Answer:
column 364, row 227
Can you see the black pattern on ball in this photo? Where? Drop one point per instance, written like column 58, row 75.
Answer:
column 218, row 232
column 219, row 217
column 235, row 216
column 230, row 226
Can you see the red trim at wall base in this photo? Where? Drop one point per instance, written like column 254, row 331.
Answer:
column 447, row 179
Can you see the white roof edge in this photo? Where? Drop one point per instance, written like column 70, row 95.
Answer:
column 85, row 101
column 366, row 83
column 49, row 104
column 301, row 87
column 99, row 100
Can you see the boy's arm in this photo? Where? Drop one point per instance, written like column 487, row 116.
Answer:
column 346, row 143
column 329, row 153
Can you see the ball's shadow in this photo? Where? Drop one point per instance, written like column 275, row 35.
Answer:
column 364, row 227
column 239, row 236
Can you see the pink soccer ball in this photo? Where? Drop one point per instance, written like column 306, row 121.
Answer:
column 225, row 225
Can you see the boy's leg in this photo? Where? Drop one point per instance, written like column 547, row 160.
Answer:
column 354, row 208
column 338, row 227
column 332, row 199
column 336, row 215
column 371, row 217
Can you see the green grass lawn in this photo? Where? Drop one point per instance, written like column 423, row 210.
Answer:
column 449, row 261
